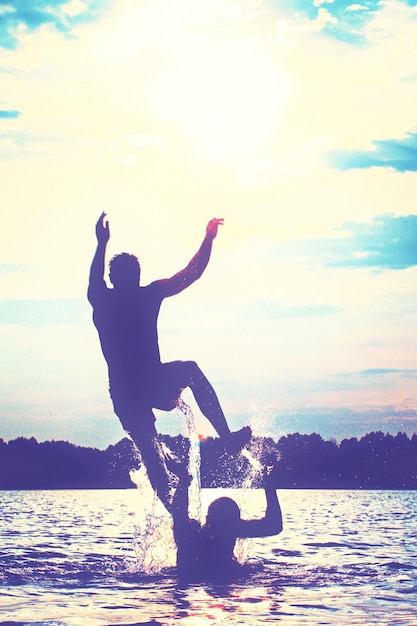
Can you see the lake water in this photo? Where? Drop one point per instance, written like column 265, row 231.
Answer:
column 77, row 557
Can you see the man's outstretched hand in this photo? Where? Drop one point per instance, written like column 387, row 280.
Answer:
column 102, row 229
column 212, row 226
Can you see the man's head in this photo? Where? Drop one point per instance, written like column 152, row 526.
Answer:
column 124, row 270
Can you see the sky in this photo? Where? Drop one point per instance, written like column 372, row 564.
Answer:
column 294, row 121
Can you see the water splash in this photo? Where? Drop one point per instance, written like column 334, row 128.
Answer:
column 255, row 463
column 154, row 541
column 194, row 463
column 243, row 545
column 254, row 468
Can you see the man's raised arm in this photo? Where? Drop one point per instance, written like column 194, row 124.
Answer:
column 96, row 281
column 196, row 266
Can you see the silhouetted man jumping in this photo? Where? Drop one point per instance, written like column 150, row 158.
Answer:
column 126, row 319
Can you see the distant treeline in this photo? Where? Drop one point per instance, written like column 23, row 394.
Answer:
column 376, row 461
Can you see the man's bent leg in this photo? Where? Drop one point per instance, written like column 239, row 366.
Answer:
column 176, row 376
column 209, row 405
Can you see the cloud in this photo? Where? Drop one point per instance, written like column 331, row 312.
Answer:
column 339, row 19
column 387, row 242
column 357, row 7
column 384, row 371
column 147, row 141
column 20, row 16
column 318, row 3
column 277, row 310
column 341, row 423
column 10, row 268
column 399, row 154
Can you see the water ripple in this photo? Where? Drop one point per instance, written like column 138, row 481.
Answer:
column 344, row 558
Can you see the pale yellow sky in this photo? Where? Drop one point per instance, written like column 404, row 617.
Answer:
column 167, row 114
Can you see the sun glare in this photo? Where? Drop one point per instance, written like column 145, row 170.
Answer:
column 226, row 99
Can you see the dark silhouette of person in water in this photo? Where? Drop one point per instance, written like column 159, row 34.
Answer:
column 126, row 319
column 207, row 551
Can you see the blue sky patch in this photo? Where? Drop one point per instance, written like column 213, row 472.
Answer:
column 346, row 20
column 385, row 243
column 47, row 312
column 8, row 115
column 33, row 14
column 398, row 154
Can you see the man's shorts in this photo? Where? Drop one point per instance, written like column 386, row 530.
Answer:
column 162, row 388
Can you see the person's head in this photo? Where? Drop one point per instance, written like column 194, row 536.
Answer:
column 222, row 515
column 221, row 525
column 124, row 270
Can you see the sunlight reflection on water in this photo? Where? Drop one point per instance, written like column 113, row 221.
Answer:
column 68, row 558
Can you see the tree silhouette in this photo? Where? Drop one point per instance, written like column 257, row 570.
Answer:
column 376, row 461
column 27, row 464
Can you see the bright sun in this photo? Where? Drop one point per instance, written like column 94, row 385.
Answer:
column 226, row 98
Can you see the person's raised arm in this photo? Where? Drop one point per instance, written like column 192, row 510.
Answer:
column 271, row 523
column 96, row 281
column 179, row 510
column 183, row 279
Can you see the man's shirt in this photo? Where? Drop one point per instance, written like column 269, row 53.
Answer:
column 126, row 321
